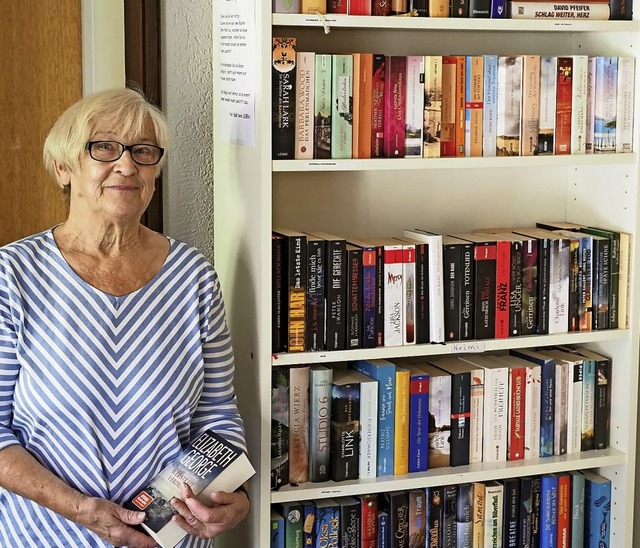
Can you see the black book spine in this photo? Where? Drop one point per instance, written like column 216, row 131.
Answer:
column 515, row 294
column 464, row 518
column 467, row 294
column 380, row 282
column 574, row 285
column 536, row 501
column 544, row 270
column 435, row 516
column 369, row 295
column 396, row 505
column 422, row 295
column 354, row 298
column 530, row 287
column 602, row 411
column 525, row 516
column 510, row 520
column 459, row 8
column 485, row 294
column 296, row 256
column 350, row 524
column 452, row 273
column 283, row 73
column 421, row 7
column 601, row 282
column 460, row 418
column 614, row 279
column 315, row 294
column 278, row 295
column 450, row 503
column 480, row 8
column 621, row 10
column 345, row 421
column 335, row 283
column 279, row 427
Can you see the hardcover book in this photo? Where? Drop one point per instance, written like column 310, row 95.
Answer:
column 432, row 106
column 327, row 522
column 345, row 427
column 381, row 7
column 337, row 6
column 308, row 523
column 368, row 520
column 320, row 382
column 292, row 514
column 208, row 464
column 283, row 82
column 305, row 87
column 602, row 396
column 313, row 6
column 362, row 104
column 350, row 516
column 359, row 7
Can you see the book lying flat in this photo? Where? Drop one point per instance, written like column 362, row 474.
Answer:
column 208, row 464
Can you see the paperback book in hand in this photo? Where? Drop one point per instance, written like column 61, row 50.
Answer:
column 208, row 464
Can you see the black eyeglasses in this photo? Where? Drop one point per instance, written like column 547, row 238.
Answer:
column 110, row 151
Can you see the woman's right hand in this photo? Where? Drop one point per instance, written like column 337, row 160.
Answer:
column 113, row 523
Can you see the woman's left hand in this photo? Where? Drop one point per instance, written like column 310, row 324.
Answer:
column 228, row 510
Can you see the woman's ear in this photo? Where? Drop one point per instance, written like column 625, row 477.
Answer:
column 63, row 174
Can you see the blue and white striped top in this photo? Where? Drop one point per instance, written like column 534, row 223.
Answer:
column 106, row 390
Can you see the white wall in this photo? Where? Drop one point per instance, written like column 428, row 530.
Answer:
column 187, row 74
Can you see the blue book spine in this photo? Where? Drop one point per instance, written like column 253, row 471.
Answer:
column 597, row 511
column 498, row 9
column 385, row 374
column 547, row 409
column 308, row 516
column 418, row 422
column 276, row 537
column 549, row 511
column 327, row 524
column 369, row 288
column 490, row 107
column 383, row 530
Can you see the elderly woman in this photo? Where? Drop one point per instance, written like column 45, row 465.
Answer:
column 114, row 349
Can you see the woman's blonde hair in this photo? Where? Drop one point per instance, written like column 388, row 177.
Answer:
column 123, row 110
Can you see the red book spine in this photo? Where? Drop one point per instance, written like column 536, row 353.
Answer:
column 360, row 7
column 368, row 521
column 563, row 105
column 503, row 289
column 394, row 106
column 381, row 7
column 337, row 6
column 564, row 510
column 377, row 106
column 518, row 380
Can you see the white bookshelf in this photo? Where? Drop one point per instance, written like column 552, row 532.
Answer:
column 381, row 197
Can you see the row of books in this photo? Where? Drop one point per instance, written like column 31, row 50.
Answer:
column 335, row 293
column 379, row 417
column 569, row 509
column 365, row 105
column 494, row 9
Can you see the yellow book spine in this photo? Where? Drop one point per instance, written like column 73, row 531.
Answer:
column 401, row 441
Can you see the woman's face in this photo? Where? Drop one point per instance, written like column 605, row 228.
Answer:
column 117, row 191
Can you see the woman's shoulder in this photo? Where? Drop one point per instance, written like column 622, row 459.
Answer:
column 189, row 259
column 33, row 247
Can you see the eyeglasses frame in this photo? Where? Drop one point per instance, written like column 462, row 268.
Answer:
column 124, row 148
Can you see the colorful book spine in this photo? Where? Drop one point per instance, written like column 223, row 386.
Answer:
column 327, row 523
column 438, row 8
column 579, row 104
column 478, row 507
column 604, row 133
column 464, row 515
column 305, row 86
column 493, row 514
column 511, row 501
column 529, row 286
column 342, row 106
column 377, row 106
column 350, row 526
column 460, row 418
column 498, row 9
column 369, row 520
column 383, row 540
column 417, row 518
column 509, row 106
column 396, row 505
column 418, row 421
column 276, row 531
column 439, row 455
column 525, row 514
column 337, row 6
column 474, row 99
column 517, row 412
column 414, row 106
column 588, row 404
column 316, row 302
column 577, row 509
column 320, row 381
column 279, row 427
column 597, row 507
column 313, row 6
column 450, row 502
column 291, row 513
column 547, row 410
column 395, row 81
column 536, row 500
column 624, row 105
column 559, row 286
column 362, row 104
column 602, row 403
column 591, row 103
column 308, row 522
column 548, row 79
column 448, row 125
column 503, row 288
column 532, row 412
column 484, row 256
column 490, row 111
column 409, row 293
column 381, row 7
column 564, row 510
column 530, row 104
column 432, row 106
column 360, row 7
column 564, row 99
column 369, row 296
column 401, row 441
column 283, row 82
column 460, row 104
column 393, row 295
column 549, row 511
column 286, row 6
column 515, row 287
column 299, row 424
column 322, row 107
column 345, row 426
column 278, row 292
column 435, row 515
column 354, row 296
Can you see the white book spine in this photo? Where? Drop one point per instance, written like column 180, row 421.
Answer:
column 414, row 105
column 368, row 429
column 591, row 103
column 436, row 290
column 548, row 78
column 574, row 420
column 495, row 414
column 561, row 399
column 579, row 83
column 305, row 67
column 624, row 118
column 477, row 416
column 604, row 136
column 532, row 415
column 588, row 397
column 493, row 515
column 559, row 286
column 489, row 119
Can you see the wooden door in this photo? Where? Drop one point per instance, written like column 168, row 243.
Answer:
column 40, row 76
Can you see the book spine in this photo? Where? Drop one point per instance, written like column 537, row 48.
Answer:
column 515, row 289
column 435, row 516
column 278, row 292
column 393, row 290
column 292, row 515
column 322, row 107
column 530, row 104
column 364, row 99
column 354, row 298
column 439, row 8
column 574, row 284
column 349, row 523
column 564, row 510
column 509, row 106
column 547, row 390
column 460, row 418
column 359, row 7
column 478, row 506
column 559, row 287
column 624, row 100
column 588, row 404
column 327, row 523
column 305, row 86
column 585, row 305
column 286, row 6
column 418, row 422
column 308, row 520
column 342, row 105
column 439, row 454
column 320, row 381
column 490, row 111
column 355, row 110
column 421, row 8
column 467, row 293
column 485, row 294
column 579, row 104
column 316, row 295
column 381, row 7
column 477, row 416
column 602, row 404
column 394, row 106
column 369, row 283
column 452, row 275
column 398, row 7
column 380, row 284
column 503, row 289
column 621, row 10
column 296, row 259
column 525, row 511
column 577, row 509
column 299, row 424
column 401, row 441
column 548, row 79
column 597, row 511
column 335, row 283
column 383, row 530
column 591, row 98
column 480, row 8
column 422, row 293
column 517, row 413
column 498, row 9
column 459, row 8
column 536, row 500
column 414, row 107
column 368, row 429
column 450, row 503
column 549, row 511
column 417, row 517
column 345, row 425
column 564, row 101
column 601, row 271
column 544, row 268
column 369, row 520
column 276, row 531
column 495, row 415
column 474, row 98
column 532, row 415
column 409, row 294
column 396, row 505
column 279, row 427
column 604, row 136
column 284, row 98
column 432, row 106
column 572, row 11
column 436, row 290
column 574, row 423
column 448, row 110
column 560, row 429
column 493, row 515
column 460, row 105
column 377, row 105
column 337, row 6
column 313, row 6
column 510, row 537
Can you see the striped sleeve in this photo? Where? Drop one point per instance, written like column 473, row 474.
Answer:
column 217, row 408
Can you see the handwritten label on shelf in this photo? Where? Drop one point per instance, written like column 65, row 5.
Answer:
column 467, row 347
